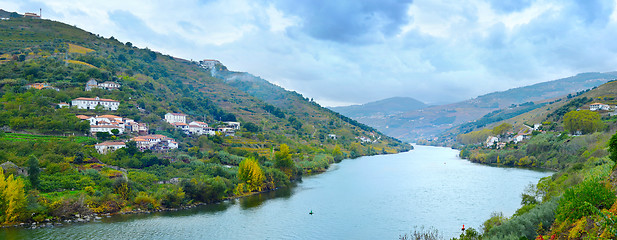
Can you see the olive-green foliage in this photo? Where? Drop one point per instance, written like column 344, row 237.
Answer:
column 474, row 137
column 502, row 129
column 585, row 121
column 573, row 205
column 206, row 189
column 525, row 224
column 612, row 147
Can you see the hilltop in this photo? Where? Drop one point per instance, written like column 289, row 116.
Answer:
column 432, row 121
column 384, row 107
column 573, row 135
column 243, row 136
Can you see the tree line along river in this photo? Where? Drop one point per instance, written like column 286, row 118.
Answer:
column 376, row 197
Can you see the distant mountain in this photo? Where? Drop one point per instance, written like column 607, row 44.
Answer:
column 432, row 121
column 383, row 107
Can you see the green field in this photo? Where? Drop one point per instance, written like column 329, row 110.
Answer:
column 20, row 137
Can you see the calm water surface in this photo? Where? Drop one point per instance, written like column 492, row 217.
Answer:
column 377, row 197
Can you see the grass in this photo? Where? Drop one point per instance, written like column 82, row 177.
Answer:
column 80, row 63
column 20, row 137
column 73, row 48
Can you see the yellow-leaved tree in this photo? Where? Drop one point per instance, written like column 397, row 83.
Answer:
column 251, row 176
column 12, row 198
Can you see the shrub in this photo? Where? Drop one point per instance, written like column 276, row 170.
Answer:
column 580, row 200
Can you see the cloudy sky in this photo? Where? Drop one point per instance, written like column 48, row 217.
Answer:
column 356, row 51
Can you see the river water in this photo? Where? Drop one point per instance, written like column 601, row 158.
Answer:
column 377, row 197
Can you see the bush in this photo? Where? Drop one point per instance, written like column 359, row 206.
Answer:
column 581, row 200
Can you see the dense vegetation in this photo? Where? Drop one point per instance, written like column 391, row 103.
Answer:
column 52, row 171
column 578, row 201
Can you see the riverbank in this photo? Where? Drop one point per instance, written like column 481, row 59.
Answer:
column 90, row 216
column 375, row 197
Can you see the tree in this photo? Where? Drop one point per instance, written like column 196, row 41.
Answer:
column 583, row 121
column 12, row 198
column 338, row 155
column 78, row 158
column 34, row 171
column 612, row 147
column 250, row 174
column 115, row 131
column 283, row 161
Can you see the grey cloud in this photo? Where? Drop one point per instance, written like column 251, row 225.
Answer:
column 349, row 21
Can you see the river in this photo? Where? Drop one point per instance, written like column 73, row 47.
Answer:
column 376, row 197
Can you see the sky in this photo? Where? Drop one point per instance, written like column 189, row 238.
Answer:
column 356, row 51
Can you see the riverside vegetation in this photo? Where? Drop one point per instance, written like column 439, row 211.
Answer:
column 52, row 172
column 578, row 201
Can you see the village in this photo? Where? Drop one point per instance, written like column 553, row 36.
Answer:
column 112, row 125
column 527, row 131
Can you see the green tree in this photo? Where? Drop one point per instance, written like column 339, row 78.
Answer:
column 283, row 161
column 612, row 147
column 34, row 171
column 584, row 121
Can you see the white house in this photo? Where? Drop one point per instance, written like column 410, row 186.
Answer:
column 599, row 106
column 233, row 125
column 209, row 63
column 491, row 140
column 106, row 147
column 182, row 126
column 332, row 136
column 175, row 117
column 92, row 103
column 155, row 142
column 109, row 85
column 106, row 128
column 91, row 84
column 63, row 105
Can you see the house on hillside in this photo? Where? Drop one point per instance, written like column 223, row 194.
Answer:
column 107, row 147
column 175, row 117
column 92, row 103
column 209, row 63
column 155, row 142
column 40, row 86
column 106, row 128
column 63, row 105
column 110, row 85
column 332, row 136
column 490, row 141
column 233, row 125
column 92, row 84
column 599, row 106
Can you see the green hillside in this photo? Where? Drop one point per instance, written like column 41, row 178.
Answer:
column 433, row 121
column 575, row 140
column 282, row 135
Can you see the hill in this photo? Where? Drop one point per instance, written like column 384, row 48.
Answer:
column 258, row 136
column 574, row 136
column 432, row 121
column 382, row 107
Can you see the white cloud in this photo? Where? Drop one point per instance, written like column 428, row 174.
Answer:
column 358, row 51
